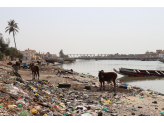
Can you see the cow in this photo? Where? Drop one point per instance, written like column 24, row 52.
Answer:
column 107, row 76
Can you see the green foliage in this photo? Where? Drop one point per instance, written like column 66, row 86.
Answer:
column 12, row 52
column 1, row 55
column 48, row 53
column 61, row 54
column 3, row 45
column 20, row 55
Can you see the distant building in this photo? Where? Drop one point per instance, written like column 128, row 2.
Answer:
column 29, row 54
column 159, row 51
column 161, row 55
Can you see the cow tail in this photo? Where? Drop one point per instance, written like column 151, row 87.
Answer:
column 37, row 70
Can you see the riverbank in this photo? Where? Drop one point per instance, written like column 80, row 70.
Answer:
column 75, row 101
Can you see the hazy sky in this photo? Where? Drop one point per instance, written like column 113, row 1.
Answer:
column 82, row 30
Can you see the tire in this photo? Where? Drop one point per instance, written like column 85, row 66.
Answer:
column 64, row 85
column 121, row 86
column 87, row 87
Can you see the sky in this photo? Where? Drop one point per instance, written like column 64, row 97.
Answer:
column 86, row 30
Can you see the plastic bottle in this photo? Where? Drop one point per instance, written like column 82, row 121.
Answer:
column 19, row 105
column 33, row 111
column 10, row 106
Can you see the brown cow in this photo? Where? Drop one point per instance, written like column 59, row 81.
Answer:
column 107, row 76
column 35, row 70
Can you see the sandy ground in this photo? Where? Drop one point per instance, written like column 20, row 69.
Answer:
column 127, row 108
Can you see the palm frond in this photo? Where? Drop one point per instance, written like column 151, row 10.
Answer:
column 6, row 30
column 7, row 27
column 16, row 30
column 12, row 27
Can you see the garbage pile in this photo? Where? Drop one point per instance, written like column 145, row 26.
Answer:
column 20, row 97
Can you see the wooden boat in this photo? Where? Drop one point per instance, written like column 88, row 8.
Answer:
column 140, row 73
column 161, row 60
column 132, row 79
column 51, row 60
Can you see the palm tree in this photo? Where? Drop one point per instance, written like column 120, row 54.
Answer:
column 12, row 27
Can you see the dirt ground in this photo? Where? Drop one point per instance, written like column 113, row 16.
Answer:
column 26, row 74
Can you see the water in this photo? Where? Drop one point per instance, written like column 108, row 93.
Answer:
column 92, row 67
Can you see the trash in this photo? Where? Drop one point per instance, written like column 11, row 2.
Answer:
column 105, row 109
column 50, row 115
column 33, row 111
column 114, row 114
column 133, row 113
column 155, row 102
column 65, row 114
column 10, row 106
column 86, row 114
column 38, row 108
column 108, row 101
column 23, row 113
column 162, row 112
column 19, row 105
column 87, row 88
column 134, row 109
column 126, row 85
column 100, row 114
column 143, row 115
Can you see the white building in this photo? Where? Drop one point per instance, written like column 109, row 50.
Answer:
column 161, row 55
column 29, row 54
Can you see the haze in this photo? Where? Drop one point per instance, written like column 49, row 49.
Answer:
column 82, row 30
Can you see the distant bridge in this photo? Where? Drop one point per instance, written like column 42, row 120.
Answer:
column 143, row 57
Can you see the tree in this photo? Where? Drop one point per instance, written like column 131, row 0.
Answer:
column 48, row 53
column 20, row 55
column 3, row 45
column 12, row 27
column 61, row 54
column 12, row 52
column 1, row 55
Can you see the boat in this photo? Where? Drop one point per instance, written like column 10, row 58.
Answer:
column 139, row 73
column 161, row 60
column 134, row 79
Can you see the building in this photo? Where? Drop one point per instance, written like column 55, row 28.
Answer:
column 47, row 55
column 54, row 56
column 29, row 54
column 159, row 51
column 38, row 56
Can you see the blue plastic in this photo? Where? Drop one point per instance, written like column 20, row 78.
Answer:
column 50, row 115
column 24, row 64
column 126, row 85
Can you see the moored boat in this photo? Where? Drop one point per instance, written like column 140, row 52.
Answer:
column 140, row 73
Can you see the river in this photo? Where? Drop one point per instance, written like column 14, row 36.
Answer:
column 92, row 67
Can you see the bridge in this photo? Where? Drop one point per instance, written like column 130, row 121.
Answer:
column 143, row 57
